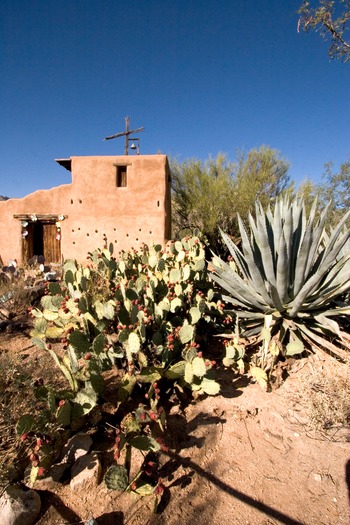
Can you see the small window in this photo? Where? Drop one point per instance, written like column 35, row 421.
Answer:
column 121, row 177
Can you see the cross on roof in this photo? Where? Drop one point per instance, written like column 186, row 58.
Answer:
column 125, row 133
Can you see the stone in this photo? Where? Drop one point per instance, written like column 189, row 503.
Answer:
column 86, row 473
column 18, row 506
column 76, row 447
column 51, row 276
column 53, row 479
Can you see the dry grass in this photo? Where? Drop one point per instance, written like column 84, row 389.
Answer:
column 327, row 390
column 16, row 398
column 21, row 372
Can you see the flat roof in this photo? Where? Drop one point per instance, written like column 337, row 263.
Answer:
column 66, row 163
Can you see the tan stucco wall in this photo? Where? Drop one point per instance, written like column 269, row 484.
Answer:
column 94, row 206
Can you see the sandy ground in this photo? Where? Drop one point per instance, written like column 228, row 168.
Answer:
column 243, row 457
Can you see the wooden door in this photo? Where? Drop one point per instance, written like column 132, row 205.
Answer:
column 28, row 244
column 51, row 244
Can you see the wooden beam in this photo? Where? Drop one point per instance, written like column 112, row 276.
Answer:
column 39, row 216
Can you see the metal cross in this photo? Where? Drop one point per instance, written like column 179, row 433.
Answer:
column 126, row 133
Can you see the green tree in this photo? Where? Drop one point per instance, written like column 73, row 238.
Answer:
column 330, row 19
column 260, row 175
column 335, row 187
column 203, row 196
column 307, row 192
column 208, row 195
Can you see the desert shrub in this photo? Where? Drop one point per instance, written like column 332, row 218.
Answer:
column 13, row 291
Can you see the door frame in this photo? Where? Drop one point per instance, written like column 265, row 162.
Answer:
column 36, row 235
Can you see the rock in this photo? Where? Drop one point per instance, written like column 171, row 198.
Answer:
column 86, row 473
column 50, row 276
column 53, row 479
column 78, row 446
column 18, row 506
column 6, row 313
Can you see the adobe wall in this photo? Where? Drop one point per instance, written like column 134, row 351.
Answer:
column 93, row 206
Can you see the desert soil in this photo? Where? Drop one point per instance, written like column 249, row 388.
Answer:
column 243, row 457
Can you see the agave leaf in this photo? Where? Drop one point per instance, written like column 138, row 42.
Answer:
column 282, row 273
column 314, row 338
column 236, row 254
column 264, row 241
column 287, row 230
column 337, row 311
column 252, row 260
column 275, row 297
column 302, row 260
column 341, row 243
column 246, row 313
column 312, row 284
column 318, row 236
column 251, row 331
column 339, row 274
column 327, row 296
column 275, row 221
column 241, row 291
column 332, row 325
column 335, row 236
column 297, row 232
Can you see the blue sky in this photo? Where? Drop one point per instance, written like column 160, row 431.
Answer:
column 202, row 77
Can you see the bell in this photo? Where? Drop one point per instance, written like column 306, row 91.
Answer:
column 133, row 146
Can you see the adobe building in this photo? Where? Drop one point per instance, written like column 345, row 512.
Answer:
column 126, row 198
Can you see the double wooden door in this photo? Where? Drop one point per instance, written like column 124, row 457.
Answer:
column 42, row 239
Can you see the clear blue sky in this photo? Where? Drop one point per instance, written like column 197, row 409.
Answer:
column 202, row 77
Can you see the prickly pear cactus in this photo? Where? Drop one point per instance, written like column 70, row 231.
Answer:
column 141, row 313
column 143, row 308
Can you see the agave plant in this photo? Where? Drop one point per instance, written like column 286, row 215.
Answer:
column 288, row 279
